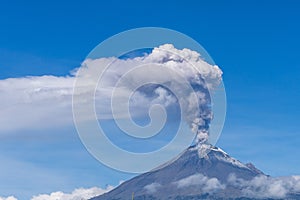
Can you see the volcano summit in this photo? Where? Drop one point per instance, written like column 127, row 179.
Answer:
column 214, row 176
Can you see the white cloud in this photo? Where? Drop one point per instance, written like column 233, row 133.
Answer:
column 267, row 187
column 8, row 198
column 46, row 101
column 152, row 188
column 259, row 187
column 77, row 194
column 205, row 183
column 32, row 102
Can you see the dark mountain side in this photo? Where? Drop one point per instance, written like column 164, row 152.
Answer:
column 190, row 176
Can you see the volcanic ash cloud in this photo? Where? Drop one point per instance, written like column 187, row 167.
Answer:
column 165, row 64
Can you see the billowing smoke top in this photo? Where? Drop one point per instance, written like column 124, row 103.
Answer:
column 200, row 75
column 203, row 78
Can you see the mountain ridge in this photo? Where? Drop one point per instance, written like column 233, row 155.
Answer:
column 197, row 173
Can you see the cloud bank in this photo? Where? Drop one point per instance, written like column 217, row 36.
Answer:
column 35, row 102
column 46, row 101
column 267, row 187
column 260, row 187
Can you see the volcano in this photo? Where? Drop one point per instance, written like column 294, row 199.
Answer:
column 189, row 176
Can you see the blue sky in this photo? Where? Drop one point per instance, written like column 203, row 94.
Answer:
column 255, row 43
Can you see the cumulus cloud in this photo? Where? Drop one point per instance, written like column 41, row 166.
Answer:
column 267, row 187
column 46, row 101
column 8, row 198
column 206, row 184
column 260, row 187
column 77, row 194
column 152, row 188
